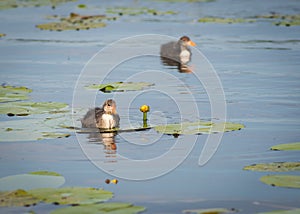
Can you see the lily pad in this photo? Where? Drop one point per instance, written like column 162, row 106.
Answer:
column 282, row 19
column 210, row 211
column 31, row 181
column 75, row 22
column 30, row 3
column 220, row 20
column 17, row 197
column 44, row 173
column 137, row 11
column 199, row 127
column 291, row 181
column 274, row 167
column 120, row 86
column 27, row 108
column 12, row 93
column 31, row 129
column 124, row 208
column 287, row 146
column 71, row 195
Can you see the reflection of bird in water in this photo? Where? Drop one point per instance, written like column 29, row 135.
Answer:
column 182, row 68
column 104, row 118
column 178, row 51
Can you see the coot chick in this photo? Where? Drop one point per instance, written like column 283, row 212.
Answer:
column 104, row 118
column 178, row 51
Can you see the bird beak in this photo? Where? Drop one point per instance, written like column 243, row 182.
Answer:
column 191, row 43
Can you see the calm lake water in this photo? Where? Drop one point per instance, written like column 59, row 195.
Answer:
column 257, row 63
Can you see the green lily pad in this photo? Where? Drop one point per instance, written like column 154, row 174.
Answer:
column 287, row 146
column 71, row 195
column 50, row 135
column 199, row 127
column 282, row 19
column 274, row 167
column 120, row 86
column 30, row 3
column 27, row 108
column 81, row 6
column 210, row 211
column 75, row 22
column 44, row 173
column 124, row 208
column 137, row 11
column 294, row 211
column 291, row 181
column 30, row 130
column 11, row 93
column 46, row 126
column 220, row 20
column 31, row 181
column 17, row 197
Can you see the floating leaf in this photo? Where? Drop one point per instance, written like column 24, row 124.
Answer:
column 124, row 208
column 12, row 93
column 27, row 108
column 71, row 195
column 30, row 129
column 17, row 197
column 283, row 20
column 49, row 135
column 121, row 86
column 41, row 179
column 199, row 127
column 46, row 126
column 287, row 146
column 220, row 20
column 81, row 6
column 136, row 11
column 2, row 35
column 76, row 22
column 30, row 3
column 44, row 173
column 210, row 211
column 274, row 167
column 291, row 181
